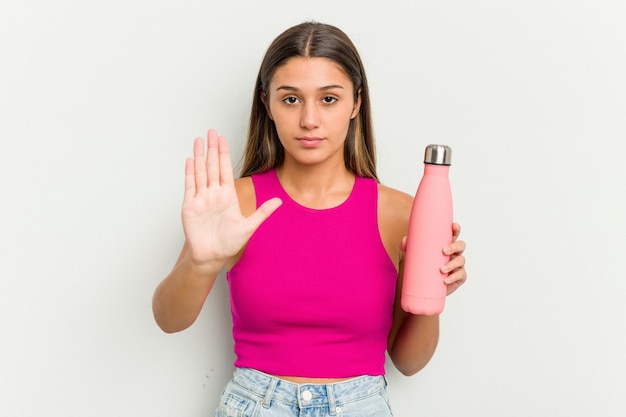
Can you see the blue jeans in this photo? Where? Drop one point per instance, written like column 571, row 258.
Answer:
column 254, row 394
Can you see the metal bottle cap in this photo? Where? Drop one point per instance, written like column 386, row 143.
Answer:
column 438, row 155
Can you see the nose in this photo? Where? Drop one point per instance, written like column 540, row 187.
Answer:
column 309, row 119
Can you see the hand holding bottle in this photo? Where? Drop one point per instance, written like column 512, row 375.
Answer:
column 454, row 269
column 424, row 288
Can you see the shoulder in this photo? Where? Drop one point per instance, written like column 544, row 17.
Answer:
column 394, row 204
column 394, row 210
column 246, row 195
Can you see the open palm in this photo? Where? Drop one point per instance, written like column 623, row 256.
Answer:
column 214, row 226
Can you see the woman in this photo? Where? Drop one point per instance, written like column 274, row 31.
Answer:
column 311, row 241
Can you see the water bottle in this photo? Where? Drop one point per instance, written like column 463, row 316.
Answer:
column 430, row 230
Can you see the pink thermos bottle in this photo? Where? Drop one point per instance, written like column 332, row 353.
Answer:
column 430, row 230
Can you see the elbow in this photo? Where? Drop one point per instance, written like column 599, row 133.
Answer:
column 169, row 327
column 409, row 360
column 166, row 323
column 410, row 369
column 164, row 320
column 165, row 327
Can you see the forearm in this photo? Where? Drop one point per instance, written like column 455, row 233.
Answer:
column 415, row 343
column 177, row 301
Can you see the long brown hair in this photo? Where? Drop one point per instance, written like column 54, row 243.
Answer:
column 311, row 39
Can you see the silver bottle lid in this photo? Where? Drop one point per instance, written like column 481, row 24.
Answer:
column 438, row 155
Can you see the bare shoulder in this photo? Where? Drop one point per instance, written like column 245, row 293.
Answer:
column 393, row 204
column 245, row 193
column 394, row 210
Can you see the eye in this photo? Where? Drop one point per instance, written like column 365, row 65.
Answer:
column 329, row 99
column 290, row 100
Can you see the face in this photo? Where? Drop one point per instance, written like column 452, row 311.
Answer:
column 311, row 101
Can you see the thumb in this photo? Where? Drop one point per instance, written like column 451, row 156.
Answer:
column 262, row 213
column 403, row 244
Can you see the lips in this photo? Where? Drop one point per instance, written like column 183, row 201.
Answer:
column 309, row 142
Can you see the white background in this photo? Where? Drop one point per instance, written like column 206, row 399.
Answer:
column 100, row 103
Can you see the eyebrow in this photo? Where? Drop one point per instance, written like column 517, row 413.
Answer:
column 291, row 88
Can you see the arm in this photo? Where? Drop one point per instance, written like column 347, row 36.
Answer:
column 178, row 299
column 413, row 338
column 215, row 231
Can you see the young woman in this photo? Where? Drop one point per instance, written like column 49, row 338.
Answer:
column 312, row 243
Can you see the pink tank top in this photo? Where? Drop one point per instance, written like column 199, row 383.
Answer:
column 313, row 292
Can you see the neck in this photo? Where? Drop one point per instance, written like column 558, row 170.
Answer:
column 315, row 186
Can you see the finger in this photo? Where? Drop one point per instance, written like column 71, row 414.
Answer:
column 226, row 166
column 458, row 277
column 261, row 214
column 453, row 286
column 190, row 180
column 455, row 248
column 212, row 159
column 457, row 263
column 456, row 231
column 199, row 164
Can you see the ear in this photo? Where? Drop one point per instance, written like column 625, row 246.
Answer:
column 357, row 105
column 265, row 103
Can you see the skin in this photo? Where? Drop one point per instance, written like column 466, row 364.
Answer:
column 311, row 101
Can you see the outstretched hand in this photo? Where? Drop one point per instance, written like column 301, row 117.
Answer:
column 214, row 226
column 455, row 268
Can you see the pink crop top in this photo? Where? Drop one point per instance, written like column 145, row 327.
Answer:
column 313, row 292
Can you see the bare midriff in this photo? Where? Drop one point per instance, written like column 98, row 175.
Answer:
column 306, row 380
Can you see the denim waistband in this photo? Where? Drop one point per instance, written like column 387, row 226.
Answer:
column 270, row 388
